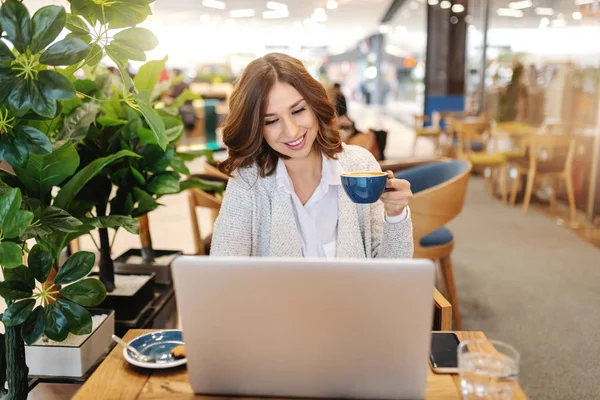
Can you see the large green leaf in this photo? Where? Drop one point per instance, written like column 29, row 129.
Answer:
column 37, row 142
column 145, row 202
column 124, row 53
column 42, row 173
column 76, row 267
column 8, row 79
column 138, row 38
column 41, row 104
column 47, row 23
column 88, row 292
column 80, row 320
column 183, row 97
column 15, row 290
column 40, row 263
column 16, row 22
column 18, row 312
column 165, row 183
column 148, row 75
column 16, row 223
column 69, row 191
column 153, row 120
column 65, row 52
column 179, row 166
column 20, row 274
column 33, row 327
column 56, row 325
column 77, row 124
column 115, row 56
column 19, row 99
column 10, row 256
column 10, row 202
column 95, row 55
column 6, row 56
column 76, row 25
column 130, row 224
column 57, row 219
column 207, row 186
column 55, row 86
column 15, row 149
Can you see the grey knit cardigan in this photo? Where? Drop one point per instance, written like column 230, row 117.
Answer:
column 256, row 219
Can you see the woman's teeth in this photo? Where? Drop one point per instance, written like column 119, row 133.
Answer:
column 296, row 142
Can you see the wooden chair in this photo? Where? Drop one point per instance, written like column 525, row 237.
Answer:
column 559, row 151
column 469, row 133
column 212, row 201
column 421, row 131
column 442, row 313
column 439, row 192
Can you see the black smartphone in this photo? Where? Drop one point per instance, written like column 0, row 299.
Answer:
column 443, row 356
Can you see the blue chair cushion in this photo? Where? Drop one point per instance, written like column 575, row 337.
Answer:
column 437, row 238
column 475, row 145
column 429, row 175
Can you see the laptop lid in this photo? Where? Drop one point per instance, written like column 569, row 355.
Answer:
column 341, row 328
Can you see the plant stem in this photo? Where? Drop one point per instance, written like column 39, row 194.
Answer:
column 16, row 368
column 106, row 265
column 95, row 243
column 146, row 239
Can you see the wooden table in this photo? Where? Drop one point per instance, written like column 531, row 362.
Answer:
column 116, row 379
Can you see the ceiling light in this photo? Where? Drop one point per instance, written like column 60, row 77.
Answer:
column 472, row 28
column 371, row 72
column 332, row 5
column 242, row 13
column 273, row 5
column 509, row 12
column 275, row 14
column 320, row 17
column 458, row 8
column 544, row 22
column 214, row 4
column 577, row 15
column 432, row 2
column 414, row 5
column 583, row 2
column 544, row 11
column 205, row 18
column 319, row 11
column 519, row 5
column 445, row 4
column 559, row 23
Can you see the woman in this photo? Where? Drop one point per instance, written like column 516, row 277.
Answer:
column 285, row 158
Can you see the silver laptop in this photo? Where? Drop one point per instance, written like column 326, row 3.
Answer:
column 339, row 328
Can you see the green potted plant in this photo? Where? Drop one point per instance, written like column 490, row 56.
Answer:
column 41, row 120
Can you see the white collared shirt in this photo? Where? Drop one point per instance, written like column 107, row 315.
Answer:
column 317, row 220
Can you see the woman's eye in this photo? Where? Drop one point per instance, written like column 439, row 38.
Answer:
column 298, row 111
column 271, row 122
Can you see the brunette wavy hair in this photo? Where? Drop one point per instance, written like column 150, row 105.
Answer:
column 243, row 130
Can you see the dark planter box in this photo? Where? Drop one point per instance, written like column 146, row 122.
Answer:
column 131, row 262
column 128, row 307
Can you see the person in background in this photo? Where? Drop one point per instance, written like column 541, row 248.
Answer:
column 285, row 162
column 339, row 100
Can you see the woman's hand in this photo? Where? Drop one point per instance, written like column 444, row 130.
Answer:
column 398, row 197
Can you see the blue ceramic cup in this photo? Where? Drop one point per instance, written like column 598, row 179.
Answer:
column 364, row 187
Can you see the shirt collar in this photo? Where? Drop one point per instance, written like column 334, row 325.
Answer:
column 331, row 172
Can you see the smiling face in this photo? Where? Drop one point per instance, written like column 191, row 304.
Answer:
column 290, row 126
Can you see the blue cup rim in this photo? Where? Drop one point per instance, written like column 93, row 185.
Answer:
column 367, row 174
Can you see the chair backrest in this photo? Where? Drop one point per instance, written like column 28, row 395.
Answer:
column 469, row 132
column 203, row 199
column 554, row 148
column 439, row 193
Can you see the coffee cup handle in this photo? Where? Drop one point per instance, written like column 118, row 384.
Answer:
column 387, row 189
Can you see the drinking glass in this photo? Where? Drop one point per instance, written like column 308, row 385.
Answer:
column 488, row 369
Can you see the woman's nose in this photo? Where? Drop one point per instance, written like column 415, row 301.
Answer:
column 290, row 129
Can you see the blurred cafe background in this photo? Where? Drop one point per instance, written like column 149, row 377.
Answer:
column 511, row 86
